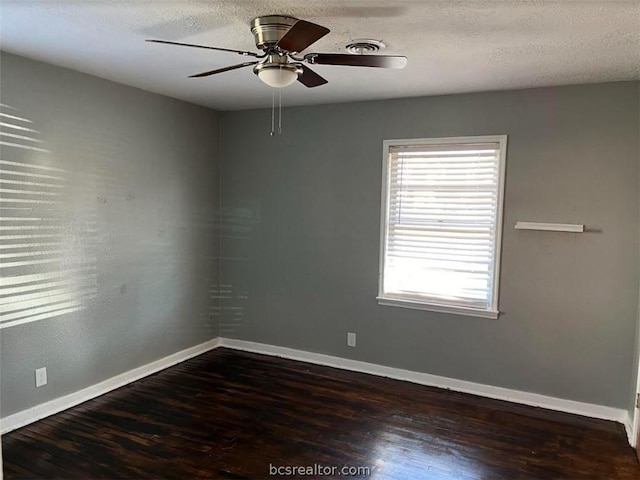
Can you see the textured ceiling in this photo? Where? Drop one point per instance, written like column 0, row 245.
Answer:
column 452, row 46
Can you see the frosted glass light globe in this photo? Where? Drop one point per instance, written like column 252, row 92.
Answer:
column 277, row 76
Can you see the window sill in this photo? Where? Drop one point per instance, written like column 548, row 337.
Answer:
column 467, row 312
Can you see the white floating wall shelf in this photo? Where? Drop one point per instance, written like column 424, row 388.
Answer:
column 551, row 227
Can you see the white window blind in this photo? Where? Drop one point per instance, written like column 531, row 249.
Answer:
column 442, row 223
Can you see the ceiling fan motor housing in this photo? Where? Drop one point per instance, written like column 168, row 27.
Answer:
column 270, row 29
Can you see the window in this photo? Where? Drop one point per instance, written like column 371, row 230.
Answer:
column 441, row 224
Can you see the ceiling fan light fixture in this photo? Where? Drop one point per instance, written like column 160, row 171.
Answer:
column 281, row 37
column 278, row 75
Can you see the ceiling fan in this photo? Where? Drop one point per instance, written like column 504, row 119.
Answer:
column 280, row 38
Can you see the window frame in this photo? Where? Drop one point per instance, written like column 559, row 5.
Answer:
column 389, row 300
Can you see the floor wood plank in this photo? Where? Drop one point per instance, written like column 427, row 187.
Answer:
column 229, row 414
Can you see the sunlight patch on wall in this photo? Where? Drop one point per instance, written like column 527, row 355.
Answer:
column 47, row 254
column 20, row 134
column 238, row 225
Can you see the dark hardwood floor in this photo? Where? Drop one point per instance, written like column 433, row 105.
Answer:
column 228, row 414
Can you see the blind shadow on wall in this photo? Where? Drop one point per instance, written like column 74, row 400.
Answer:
column 47, row 256
column 238, row 226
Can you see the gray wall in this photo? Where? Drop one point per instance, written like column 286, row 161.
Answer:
column 635, row 382
column 119, row 189
column 300, row 243
column 634, row 376
column 122, row 205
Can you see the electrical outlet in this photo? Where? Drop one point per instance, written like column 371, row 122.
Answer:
column 351, row 339
column 41, row 376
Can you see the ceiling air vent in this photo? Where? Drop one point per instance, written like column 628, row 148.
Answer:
column 365, row 45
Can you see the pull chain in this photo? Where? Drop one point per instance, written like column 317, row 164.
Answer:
column 279, row 111
column 273, row 111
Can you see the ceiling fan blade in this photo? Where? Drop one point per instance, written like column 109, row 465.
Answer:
column 240, row 52
column 220, row 70
column 309, row 78
column 301, row 35
column 380, row 61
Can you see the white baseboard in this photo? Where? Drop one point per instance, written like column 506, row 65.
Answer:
column 628, row 427
column 500, row 393
column 43, row 410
